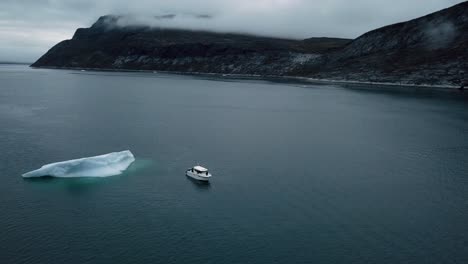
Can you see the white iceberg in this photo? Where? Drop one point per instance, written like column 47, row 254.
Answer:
column 98, row 166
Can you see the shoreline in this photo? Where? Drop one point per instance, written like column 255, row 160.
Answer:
column 260, row 77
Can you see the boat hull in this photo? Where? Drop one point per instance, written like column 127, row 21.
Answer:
column 197, row 176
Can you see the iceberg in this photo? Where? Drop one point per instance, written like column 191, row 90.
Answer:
column 98, row 166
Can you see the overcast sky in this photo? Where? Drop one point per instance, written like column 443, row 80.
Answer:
column 28, row 28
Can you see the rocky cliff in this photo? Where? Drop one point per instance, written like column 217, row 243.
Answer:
column 429, row 50
column 108, row 45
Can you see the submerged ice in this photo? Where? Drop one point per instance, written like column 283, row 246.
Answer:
column 98, row 166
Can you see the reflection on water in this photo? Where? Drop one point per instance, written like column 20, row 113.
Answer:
column 200, row 185
column 76, row 186
column 409, row 91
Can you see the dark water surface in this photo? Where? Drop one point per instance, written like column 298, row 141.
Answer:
column 302, row 173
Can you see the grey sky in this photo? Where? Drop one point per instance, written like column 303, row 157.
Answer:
column 28, row 28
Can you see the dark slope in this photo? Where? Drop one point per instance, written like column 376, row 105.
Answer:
column 324, row 45
column 107, row 45
column 429, row 50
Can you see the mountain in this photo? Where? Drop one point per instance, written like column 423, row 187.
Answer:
column 14, row 62
column 428, row 50
column 108, row 45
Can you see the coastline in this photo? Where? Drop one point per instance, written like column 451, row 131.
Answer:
column 261, row 77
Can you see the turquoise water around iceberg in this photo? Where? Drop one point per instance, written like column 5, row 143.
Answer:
column 303, row 173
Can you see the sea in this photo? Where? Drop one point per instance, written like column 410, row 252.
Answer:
column 303, row 172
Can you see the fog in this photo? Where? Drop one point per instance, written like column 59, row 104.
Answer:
column 440, row 35
column 28, row 28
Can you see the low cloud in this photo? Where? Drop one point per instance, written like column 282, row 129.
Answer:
column 440, row 35
column 28, row 28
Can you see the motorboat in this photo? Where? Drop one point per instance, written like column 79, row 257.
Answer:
column 198, row 173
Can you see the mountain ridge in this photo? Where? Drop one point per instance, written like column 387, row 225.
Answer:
column 430, row 50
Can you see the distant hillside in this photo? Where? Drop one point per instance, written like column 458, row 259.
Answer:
column 324, row 45
column 15, row 62
column 108, row 45
column 429, row 50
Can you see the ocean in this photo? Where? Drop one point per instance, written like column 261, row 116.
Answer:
column 302, row 172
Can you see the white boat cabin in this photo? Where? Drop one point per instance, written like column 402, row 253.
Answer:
column 200, row 170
